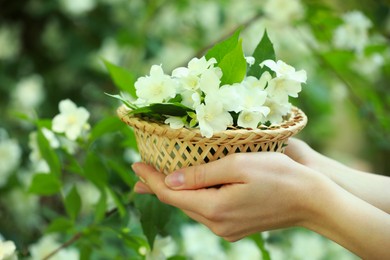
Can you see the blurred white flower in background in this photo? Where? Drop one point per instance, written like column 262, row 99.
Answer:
column 9, row 42
column 7, row 250
column 131, row 155
column 29, row 92
column 370, row 65
column 244, row 249
column 163, row 248
column 90, row 196
column 48, row 244
column 200, row 243
column 353, row 33
column 10, row 154
column 71, row 121
column 284, row 12
column 21, row 204
column 307, row 245
column 76, row 7
column 110, row 51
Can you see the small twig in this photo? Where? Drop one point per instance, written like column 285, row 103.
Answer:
column 64, row 245
column 244, row 25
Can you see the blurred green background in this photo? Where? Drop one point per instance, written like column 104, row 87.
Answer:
column 53, row 50
column 61, row 43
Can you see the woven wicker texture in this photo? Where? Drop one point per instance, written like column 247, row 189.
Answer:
column 170, row 149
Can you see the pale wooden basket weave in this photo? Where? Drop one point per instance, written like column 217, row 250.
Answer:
column 170, row 149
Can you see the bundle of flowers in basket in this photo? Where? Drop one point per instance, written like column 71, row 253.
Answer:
column 221, row 103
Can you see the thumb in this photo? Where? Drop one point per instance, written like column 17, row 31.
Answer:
column 222, row 171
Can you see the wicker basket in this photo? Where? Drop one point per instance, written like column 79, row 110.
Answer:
column 169, row 149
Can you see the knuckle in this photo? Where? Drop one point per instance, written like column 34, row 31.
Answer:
column 163, row 197
column 198, row 175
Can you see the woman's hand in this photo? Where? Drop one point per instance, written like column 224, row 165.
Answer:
column 243, row 194
column 373, row 188
column 240, row 194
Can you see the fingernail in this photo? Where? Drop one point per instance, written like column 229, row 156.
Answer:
column 174, row 179
column 134, row 167
column 140, row 189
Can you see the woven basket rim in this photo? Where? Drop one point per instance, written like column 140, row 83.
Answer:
column 293, row 125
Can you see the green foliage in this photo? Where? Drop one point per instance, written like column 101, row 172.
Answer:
column 64, row 47
column 123, row 78
column 263, row 51
column 45, row 184
column 48, row 154
column 154, row 216
column 72, row 203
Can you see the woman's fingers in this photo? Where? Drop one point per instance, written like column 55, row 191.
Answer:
column 223, row 171
column 155, row 182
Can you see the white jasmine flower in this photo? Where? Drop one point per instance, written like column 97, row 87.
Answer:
column 226, row 95
column 253, row 82
column 156, row 88
column 196, row 67
column 10, row 154
column 284, row 70
column 287, row 81
column 174, row 122
column 252, row 98
column 7, row 250
column 281, row 88
column 212, row 118
column 72, row 120
column 277, row 110
column 190, row 98
column 209, row 82
column 353, row 34
column 199, row 243
column 48, row 244
column 250, row 60
column 250, row 119
column 29, row 92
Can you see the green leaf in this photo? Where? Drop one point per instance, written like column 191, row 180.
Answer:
column 59, row 225
column 154, row 215
column 171, row 109
column 105, row 126
column 95, row 170
column 258, row 239
column 73, row 203
column 263, row 51
column 221, row 49
column 101, row 207
column 233, row 66
column 124, row 100
column 118, row 203
column 48, row 153
column 45, row 184
column 124, row 173
column 122, row 78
